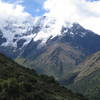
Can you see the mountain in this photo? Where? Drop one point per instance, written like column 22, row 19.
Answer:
column 58, row 60
column 16, row 35
column 19, row 83
column 58, row 48
column 87, row 80
column 55, row 49
column 60, row 55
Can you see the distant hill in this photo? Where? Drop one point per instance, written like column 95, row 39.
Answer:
column 87, row 79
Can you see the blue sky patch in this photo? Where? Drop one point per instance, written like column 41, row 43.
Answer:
column 34, row 7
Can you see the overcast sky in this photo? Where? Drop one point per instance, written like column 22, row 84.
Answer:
column 84, row 12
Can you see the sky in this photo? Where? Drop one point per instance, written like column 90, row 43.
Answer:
column 84, row 12
column 34, row 7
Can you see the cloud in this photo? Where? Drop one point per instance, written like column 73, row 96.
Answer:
column 19, row 1
column 84, row 12
column 12, row 10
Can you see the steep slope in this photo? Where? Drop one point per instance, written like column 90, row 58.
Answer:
column 19, row 83
column 91, row 64
column 58, row 59
column 87, row 80
column 82, row 38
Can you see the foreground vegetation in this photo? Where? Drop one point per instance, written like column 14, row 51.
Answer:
column 19, row 83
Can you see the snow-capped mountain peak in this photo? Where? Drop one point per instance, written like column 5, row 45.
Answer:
column 13, row 29
column 39, row 28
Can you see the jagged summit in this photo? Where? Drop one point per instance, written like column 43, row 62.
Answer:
column 42, row 28
column 21, row 35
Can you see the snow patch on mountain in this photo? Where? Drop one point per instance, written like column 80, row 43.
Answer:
column 13, row 29
column 39, row 28
column 51, row 28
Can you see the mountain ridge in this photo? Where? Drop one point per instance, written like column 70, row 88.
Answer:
column 86, row 80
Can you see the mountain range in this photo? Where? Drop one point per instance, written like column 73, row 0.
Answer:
column 67, row 51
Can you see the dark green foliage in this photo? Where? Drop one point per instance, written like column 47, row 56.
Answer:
column 19, row 83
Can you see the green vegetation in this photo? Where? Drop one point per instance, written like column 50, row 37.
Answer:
column 19, row 83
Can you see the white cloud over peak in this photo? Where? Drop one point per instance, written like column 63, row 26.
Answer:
column 83, row 12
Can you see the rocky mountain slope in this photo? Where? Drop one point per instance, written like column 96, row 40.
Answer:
column 87, row 78
column 58, row 60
